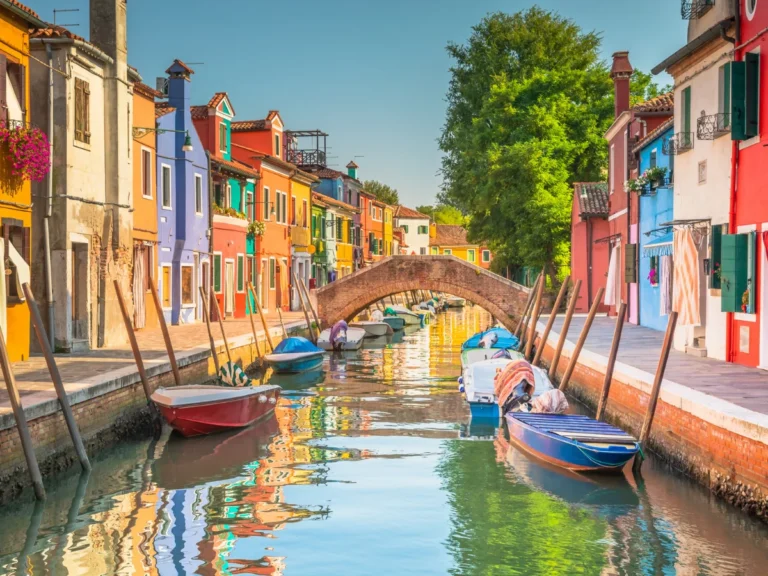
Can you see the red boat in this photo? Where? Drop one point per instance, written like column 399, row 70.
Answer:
column 201, row 409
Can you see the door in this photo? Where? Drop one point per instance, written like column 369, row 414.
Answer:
column 195, row 284
column 229, row 288
column 206, row 273
column 278, row 286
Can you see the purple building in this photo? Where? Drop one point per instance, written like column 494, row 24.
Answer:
column 183, row 209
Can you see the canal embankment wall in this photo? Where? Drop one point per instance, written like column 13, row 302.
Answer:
column 721, row 445
column 110, row 408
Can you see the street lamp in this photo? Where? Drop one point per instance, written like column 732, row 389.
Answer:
column 140, row 132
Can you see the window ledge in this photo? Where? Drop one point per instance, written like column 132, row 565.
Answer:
column 146, row 197
column 188, row 306
column 750, row 142
column 744, row 317
column 82, row 145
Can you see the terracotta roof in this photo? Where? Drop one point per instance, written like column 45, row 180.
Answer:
column 248, row 125
column 333, row 202
column 24, row 8
column 593, row 198
column 163, row 108
column 329, row 173
column 450, row 235
column 56, row 32
column 236, row 166
column 661, row 103
column 405, row 212
column 145, row 90
column 216, row 99
column 352, row 164
column 180, row 63
column 653, row 134
column 199, row 112
column 318, row 200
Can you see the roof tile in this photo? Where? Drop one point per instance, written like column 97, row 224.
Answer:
column 199, row 112
column 450, row 235
column 249, row 125
column 24, row 8
column 54, row 31
column 661, row 103
column 593, row 198
column 405, row 212
column 163, row 108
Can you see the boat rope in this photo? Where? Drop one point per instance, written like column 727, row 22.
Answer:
column 597, row 461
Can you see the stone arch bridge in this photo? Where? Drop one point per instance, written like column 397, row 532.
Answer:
column 346, row 297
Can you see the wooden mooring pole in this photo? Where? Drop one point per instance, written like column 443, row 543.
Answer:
column 221, row 327
column 551, row 322
column 531, row 294
column 646, row 430
column 534, row 320
column 261, row 315
column 206, row 315
column 304, row 309
column 611, row 361
column 45, row 346
column 528, row 313
column 282, row 324
column 564, row 330
column 253, row 324
column 21, row 421
column 134, row 345
column 582, row 339
column 311, row 307
column 164, row 330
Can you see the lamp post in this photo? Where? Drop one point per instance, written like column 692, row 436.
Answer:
column 140, row 132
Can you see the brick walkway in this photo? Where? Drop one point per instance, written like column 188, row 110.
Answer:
column 640, row 347
column 34, row 381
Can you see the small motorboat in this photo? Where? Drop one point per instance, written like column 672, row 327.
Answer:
column 341, row 337
column 483, row 345
column 409, row 317
column 455, row 302
column 295, row 354
column 572, row 441
column 372, row 329
column 395, row 322
column 204, row 409
column 425, row 315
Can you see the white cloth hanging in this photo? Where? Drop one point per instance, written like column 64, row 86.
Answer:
column 686, row 279
column 22, row 269
column 667, row 272
column 3, row 294
column 610, row 287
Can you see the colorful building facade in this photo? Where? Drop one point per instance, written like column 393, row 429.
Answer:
column 415, row 226
column 320, row 256
column 389, row 215
column 451, row 240
column 590, row 252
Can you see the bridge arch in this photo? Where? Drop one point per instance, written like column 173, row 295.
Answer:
column 343, row 299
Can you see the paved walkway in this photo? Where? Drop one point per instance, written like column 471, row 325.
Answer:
column 640, row 348
column 34, row 381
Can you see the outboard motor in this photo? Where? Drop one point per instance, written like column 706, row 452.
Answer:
column 338, row 334
column 521, row 394
column 514, row 385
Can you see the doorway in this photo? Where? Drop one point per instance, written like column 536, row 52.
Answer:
column 206, row 282
column 229, row 288
column 79, row 291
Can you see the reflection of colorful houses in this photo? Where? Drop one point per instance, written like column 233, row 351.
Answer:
column 452, row 240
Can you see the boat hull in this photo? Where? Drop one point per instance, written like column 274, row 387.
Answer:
column 293, row 363
column 354, row 340
column 489, row 411
column 395, row 322
column 227, row 414
column 410, row 319
column 566, row 453
column 372, row 329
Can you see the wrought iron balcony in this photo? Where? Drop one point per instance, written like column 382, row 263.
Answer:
column 650, row 189
column 677, row 144
column 693, row 9
column 713, row 126
column 306, row 157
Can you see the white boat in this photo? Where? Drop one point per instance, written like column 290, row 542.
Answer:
column 410, row 318
column 353, row 340
column 372, row 329
column 455, row 302
column 295, row 354
column 472, row 355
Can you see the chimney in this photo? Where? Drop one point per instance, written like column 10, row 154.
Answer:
column 352, row 169
column 109, row 32
column 621, row 71
column 178, row 84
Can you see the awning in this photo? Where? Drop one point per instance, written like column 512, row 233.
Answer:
column 661, row 246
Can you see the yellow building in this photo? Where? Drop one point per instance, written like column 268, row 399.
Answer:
column 389, row 213
column 451, row 240
column 341, row 230
column 16, row 189
column 301, row 241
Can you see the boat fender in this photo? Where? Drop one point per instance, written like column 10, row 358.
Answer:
column 262, row 398
column 461, row 388
column 461, row 380
column 272, row 401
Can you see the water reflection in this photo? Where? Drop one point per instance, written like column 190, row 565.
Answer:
column 371, row 466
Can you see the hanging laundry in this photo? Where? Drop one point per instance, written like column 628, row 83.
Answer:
column 667, row 272
column 22, row 270
column 686, row 279
column 610, row 287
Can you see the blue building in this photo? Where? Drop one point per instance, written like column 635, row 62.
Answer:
column 655, row 241
column 183, row 209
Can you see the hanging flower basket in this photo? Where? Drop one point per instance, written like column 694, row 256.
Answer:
column 25, row 150
column 653, row 277
column 256, row 229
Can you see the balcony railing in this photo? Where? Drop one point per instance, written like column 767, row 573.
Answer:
column 306, row 157
column 693, row 9
column 677, row 144
column 713, row 126
column 650, row 189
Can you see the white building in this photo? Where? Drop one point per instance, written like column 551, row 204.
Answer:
column 416, row 228
column 702, row 160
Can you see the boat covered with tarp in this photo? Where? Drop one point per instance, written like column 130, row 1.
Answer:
column 295, row 354
column 341, row 337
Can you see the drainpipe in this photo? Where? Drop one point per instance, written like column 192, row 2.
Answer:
column 732, row 204
column 49, row 205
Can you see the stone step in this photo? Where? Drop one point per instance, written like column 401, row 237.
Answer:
column 696, row 351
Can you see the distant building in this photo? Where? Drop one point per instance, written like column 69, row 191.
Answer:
column 415, row 225
column 445, row 239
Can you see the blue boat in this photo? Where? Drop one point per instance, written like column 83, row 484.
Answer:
column 503, row 339
column 295, row 354
column 572, row 441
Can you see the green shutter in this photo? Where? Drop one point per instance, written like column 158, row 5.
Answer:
column 314, row 225
column 738, row 101
column 733, row 279
column 726, row 93
column 630, row 263
column 217, row 272
column 715, row 242
column 752, row 89
column 687, row 109
column 240, row 274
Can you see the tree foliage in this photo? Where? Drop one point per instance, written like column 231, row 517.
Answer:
column 382, row 192
column 443, row 214
column 528, row 104
column 641, row 88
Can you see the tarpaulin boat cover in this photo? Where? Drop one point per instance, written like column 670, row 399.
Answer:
column 489, row 340
column 389, row 311
column 514, row 380
column 504, row 339
column 339, row 332
column 296, row 344
column 551, row 402
column 232, row 375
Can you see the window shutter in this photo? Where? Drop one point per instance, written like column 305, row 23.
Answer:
column 86, row 112
column 217, row 273
column 687, row 109
column 733, row 265
column 78, row 109
column 752, row 89
column 240, row 274
column 630, row 263
column 726, row 105
column 23, row 91
column 715, row 242
column 3, row 87
column 738, row 101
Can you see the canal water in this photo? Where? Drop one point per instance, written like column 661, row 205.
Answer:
column 370, row 467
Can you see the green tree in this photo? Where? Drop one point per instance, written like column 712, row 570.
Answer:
column 641, row 88
column 528, row 104
column 443, row 214
column 382, row 192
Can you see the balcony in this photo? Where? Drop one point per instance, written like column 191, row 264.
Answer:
column 306, row 158
column 713, row 126
column 694, row 9
column 677, row 144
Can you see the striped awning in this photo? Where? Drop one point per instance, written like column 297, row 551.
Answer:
column 661, row 246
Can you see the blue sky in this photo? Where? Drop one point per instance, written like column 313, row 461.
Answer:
column 371, row 73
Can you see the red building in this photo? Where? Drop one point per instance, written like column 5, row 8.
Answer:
column 630, row 125
column 590, row 235
column 743, row 251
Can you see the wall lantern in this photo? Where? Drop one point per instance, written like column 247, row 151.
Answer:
column 140, row 132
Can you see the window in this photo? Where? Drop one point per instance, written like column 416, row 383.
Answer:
column 610, row 168
column 405, row 228
column 251, row 272
column 304, row 211
column 217, row 273
column 486, row 255
column 423, row 230
column 470, row 255
column 240, row 273
column 166, row 291
column 217, row 193
column 322, row 227
column 751, row 5
column 339, row 229
column 146, row 173
column 423, row 251
column 198, row 194
column 82, row 111
column 752, row 98
column 228, row 199
column 222, row 137
column 447, row 251
column 266, row 203
column 166, row 186
column 653, row 158
column 285, row 208
column 434, row 250
column 314, row 226
column 187, row 285
column 653, row 273
column 293, row 210
column 16, row 235
column 339, row 191
column 277, row 145
column 271, row 273
column 737, row 272
column 715, row 254
column 685, row 111
column 724, row 95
